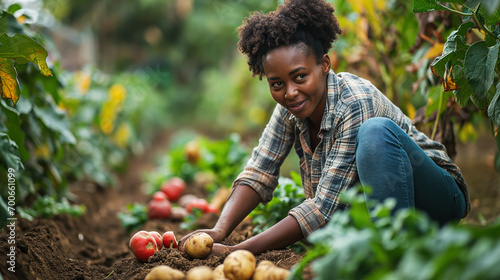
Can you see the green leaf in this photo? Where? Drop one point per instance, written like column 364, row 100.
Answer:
column 491, row 5
column 480, row 67
column 483, row 102
column 56, row 121
column 296, row 178
column 463, row 94
column 8, row 149
column 494, row 107
column 134, row 217
column 23, row 49
column 13, row 125
column 14, row 7
column 455, row 41
column 453, row 51
column 422, row 6
column 9, row 24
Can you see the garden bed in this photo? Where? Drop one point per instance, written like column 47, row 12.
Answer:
column 95, row 246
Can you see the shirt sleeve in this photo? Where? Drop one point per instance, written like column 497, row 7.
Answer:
column 339, row 172
column 262, row 170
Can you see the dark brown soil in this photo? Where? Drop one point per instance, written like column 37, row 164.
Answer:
column 95, row 246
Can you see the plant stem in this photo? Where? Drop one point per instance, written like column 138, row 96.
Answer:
column 455, row 11
column 474, row 14
column 436, row 122
column 481, row 25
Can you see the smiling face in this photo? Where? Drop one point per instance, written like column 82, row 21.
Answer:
column 297, row 81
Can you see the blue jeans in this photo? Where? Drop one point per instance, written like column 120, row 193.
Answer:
column 393, row 165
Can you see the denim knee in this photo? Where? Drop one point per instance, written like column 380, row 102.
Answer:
column 372, row 135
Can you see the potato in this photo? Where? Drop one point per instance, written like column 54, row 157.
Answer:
column 200, row 273
column 199, row 245
column 267, row 270
column 219, row 273
column 239, row 265
column 164, row 272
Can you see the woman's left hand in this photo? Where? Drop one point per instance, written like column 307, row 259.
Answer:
column 220, row 250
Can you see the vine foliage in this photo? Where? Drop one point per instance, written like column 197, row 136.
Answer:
column 469, row 65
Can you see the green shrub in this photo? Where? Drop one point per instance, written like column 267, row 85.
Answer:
column 357, row 244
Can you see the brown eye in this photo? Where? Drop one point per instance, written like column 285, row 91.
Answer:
column 276, row 85
column 300, row 77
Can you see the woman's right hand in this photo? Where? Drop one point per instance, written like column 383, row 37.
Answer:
column 217, row 236
column 239, row 204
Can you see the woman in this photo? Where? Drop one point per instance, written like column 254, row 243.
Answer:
column 343, row 129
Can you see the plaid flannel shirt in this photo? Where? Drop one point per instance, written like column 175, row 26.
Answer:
column 331, row 168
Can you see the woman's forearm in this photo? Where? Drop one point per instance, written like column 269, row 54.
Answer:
column 242, row 200
column 279, row 236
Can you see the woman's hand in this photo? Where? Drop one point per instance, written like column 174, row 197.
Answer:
column 239, row 204
column 220, row 250
column 217, row 236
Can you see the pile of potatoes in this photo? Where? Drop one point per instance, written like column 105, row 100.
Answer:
column 239, row 265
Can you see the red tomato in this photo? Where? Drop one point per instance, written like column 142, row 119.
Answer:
column 169, row 240
column 159, row 209
column 212, row 209
column 173, row 188
column 159, row 196
column 198, row 203
column 157, row 238
column 185, row 199
column 143, row 245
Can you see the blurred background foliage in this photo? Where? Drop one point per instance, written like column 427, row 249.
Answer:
column 125, row 70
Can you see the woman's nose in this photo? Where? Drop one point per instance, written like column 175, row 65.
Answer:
column 291, row 92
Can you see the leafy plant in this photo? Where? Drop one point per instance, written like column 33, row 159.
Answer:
column 48, row 206
column 189, row 221
column 218, row 164
column 469, row 66
column 288, row 194
column 31, row 126
column 18, row 49
column 133, row 217
column 57, row 126
column 357, row 244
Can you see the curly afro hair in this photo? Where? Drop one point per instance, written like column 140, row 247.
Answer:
column 297, row 21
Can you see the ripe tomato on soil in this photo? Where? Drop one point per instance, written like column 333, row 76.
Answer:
column 159, row 209
column 143, row 245
column 159, row 196
column 211, row 209
column 198, row 203
column 156, row 235
column 174, row 188
column 169, row 240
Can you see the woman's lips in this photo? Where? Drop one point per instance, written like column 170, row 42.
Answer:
column 297, row 106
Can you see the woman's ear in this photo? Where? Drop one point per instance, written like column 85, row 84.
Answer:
column 326, row 64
